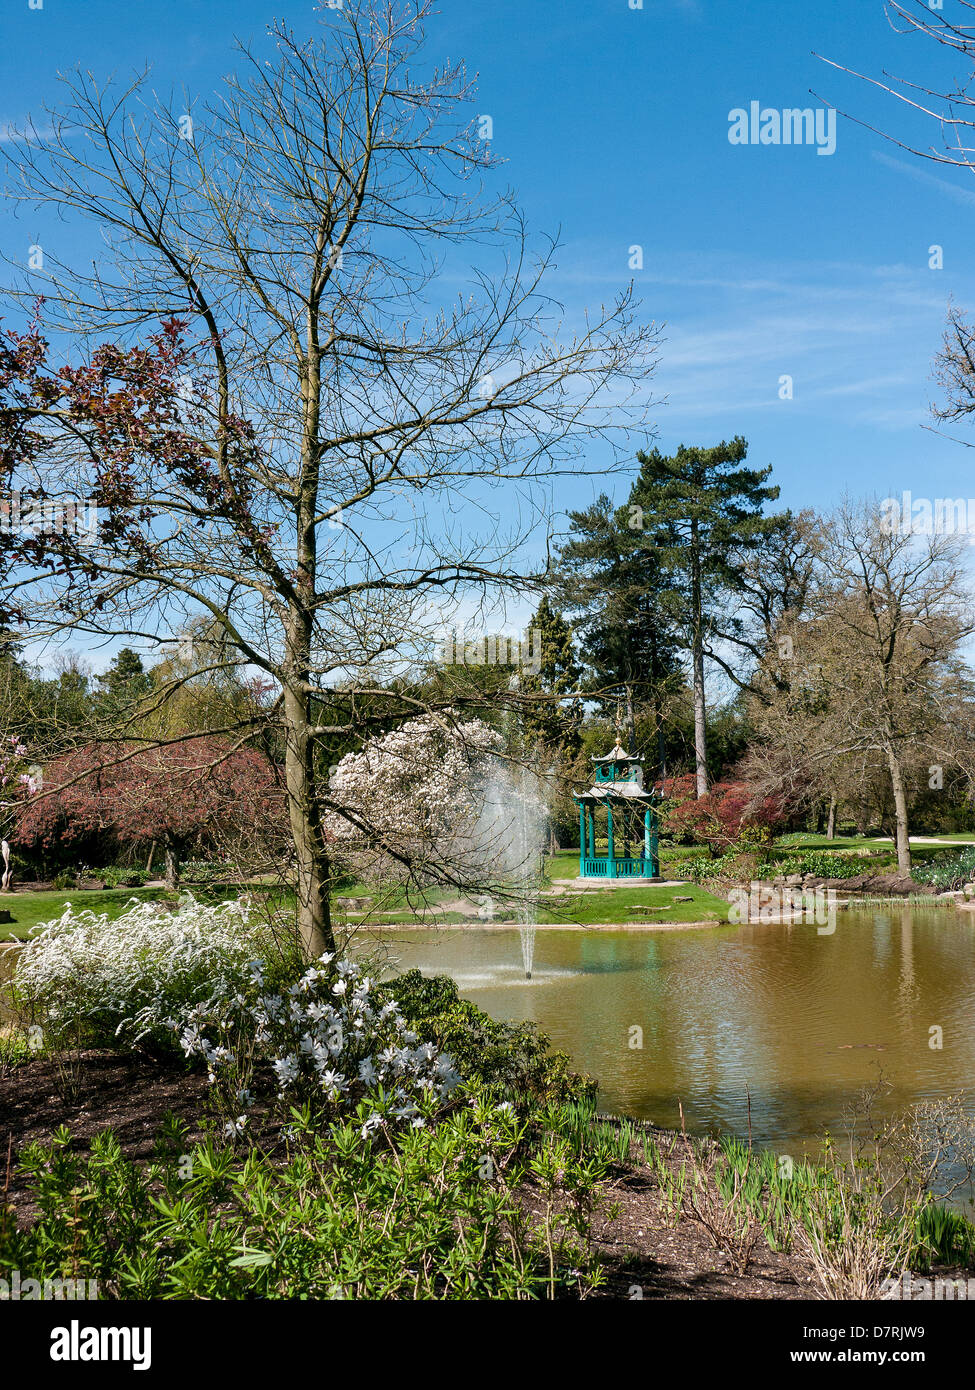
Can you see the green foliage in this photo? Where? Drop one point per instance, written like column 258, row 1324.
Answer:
column 16, row 1047
column 946, row 871
column 778, row 1195
column 943, row 1237
column 550, row 729
column 825, row 865
column 118, row 876
column 515, row 1058
column 754, row 837
column 336, row 1217
column 207, row 871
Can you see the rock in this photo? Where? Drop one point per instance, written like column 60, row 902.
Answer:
column 793, row 880
column 682, row 900
column 969, row 889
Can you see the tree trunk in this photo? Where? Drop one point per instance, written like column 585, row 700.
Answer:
column 304, row 812
column 697, row 651
column 831, row 819
column 900, row 812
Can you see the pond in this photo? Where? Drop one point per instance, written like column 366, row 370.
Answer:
column 797, row 1021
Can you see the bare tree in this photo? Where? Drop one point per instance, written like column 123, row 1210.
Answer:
column 951, row 107
column 875, row 670
column 372, row 435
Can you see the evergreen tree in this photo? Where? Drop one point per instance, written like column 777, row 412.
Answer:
column 703, row 509
column 624, row 603
column 126, row 678
column 547, row 726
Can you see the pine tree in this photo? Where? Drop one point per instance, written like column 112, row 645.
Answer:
column 125, row 679
column 703, row 510
column 611, row 579
column 546, row 725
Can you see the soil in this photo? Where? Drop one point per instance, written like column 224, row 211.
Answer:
column 90, row 1092
column 645, row 1254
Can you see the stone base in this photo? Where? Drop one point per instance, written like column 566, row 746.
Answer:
column 626, row 882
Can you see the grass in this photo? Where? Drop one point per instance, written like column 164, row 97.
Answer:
column 624, row 905
column 29, row 909
column 803, row 840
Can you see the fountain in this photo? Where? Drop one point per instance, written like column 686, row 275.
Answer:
column 527, row 934
column 510, row 838
column 527, row 847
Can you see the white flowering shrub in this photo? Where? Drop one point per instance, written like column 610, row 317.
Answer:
column 325, row 1041
column 119, row 983
column 434, row 800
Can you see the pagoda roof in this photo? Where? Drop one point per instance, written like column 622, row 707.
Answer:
column 615, row 791
column 618, row 756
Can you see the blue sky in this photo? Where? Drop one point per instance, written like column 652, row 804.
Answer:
column 761, row 261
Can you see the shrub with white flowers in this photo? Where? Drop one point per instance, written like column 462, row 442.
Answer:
column 121, row 982
column 433, row 800
column 326, row 1040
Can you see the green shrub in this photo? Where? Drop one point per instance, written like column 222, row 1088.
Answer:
column 824, row 865
column 946, row 871
column 434, row 1217
column 515, row 1058
column 943, row 1237
column 116, row 876
column 754, row 837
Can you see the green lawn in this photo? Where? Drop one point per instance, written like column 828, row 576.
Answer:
column 854, row 842
column 28, row 909
column 624, row 905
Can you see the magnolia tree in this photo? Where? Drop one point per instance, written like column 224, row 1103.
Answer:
column 435, row 801
column 179, row 796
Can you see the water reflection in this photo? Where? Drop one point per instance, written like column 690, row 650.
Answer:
column 801, row 1022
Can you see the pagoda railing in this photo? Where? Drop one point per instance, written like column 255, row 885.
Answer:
column 621, row 868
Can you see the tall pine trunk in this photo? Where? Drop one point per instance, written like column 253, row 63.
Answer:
column 697, row 652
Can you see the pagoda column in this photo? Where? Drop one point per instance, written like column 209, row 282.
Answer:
column 582, row 840
column 610, row 860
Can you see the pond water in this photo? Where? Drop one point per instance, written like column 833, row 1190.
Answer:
column 799, row 1021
